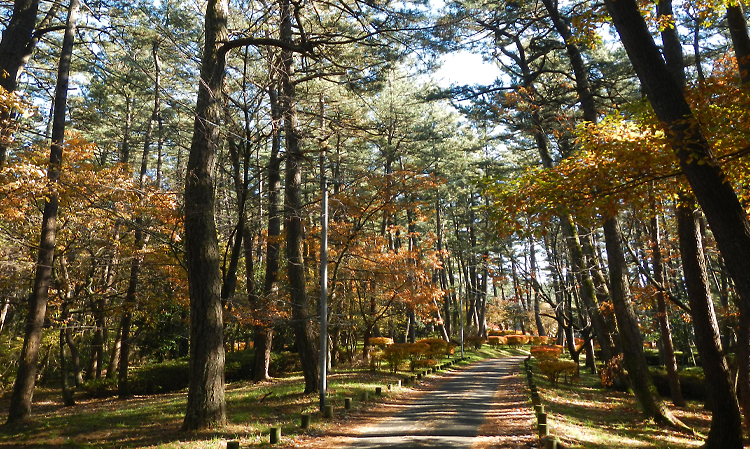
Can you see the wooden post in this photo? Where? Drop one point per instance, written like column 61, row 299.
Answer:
column 347, row 403
column 233, row 445
column 275, row 435
column 305, row 421
column 364, row 396
column 379, row 391
column 328, row 412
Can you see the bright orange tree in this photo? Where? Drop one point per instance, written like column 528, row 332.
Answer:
column 97, row 207
column 377, row 276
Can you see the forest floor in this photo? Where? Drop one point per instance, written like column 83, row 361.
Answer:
column 583, row 415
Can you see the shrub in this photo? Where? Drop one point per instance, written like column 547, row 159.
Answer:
column 376, row 357
column 425, row 363
column 395, row 355
column 536, row 340
column 99, row 388
column 158, row 378
column 416, row 352
column 546, row 352
column 495, row 340
column 381, row 342
column 553, row 369
column 612, row 370
column 438, row 346
column 239, row 365
column 476, row 342
column 517, row 340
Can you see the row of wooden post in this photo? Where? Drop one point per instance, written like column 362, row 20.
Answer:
column 548, row 442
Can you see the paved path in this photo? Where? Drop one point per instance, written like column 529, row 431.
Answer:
column 448, row 417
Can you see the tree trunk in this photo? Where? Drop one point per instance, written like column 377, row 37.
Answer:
column 726, row 422
column 631, row 340
column 670, row 362
column 740, row 40
column 4, row 313
column 13, row 51
column 67, row 394
column 23, row 388
column 206, row 404
column 123, row 388
column 114, row 355
column 264, row 331
column 587, row 291
column 301, row 315
column 723, row 210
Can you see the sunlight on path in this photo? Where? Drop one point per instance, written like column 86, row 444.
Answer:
column 452, row 416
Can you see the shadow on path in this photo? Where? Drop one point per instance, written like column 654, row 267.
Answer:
column 451, row 416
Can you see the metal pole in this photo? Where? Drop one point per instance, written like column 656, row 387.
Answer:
column 323, row 283
column 461, row 315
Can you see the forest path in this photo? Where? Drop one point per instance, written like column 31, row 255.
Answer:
column 479, row 406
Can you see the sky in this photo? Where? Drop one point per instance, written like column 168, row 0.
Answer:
column 465, row 68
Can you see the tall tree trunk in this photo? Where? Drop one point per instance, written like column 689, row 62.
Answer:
column 293, row 214
column 631, row 340
column 740, row 40
column 141, row 239
column 723, row 210
column 264, row 332
column 206, row 404
column 23, row 388
column 14, row 52
column 18, row 43
column 114, row 355
column 16, row 38
column 587, row 290
column 726, row 422
column 670, row 361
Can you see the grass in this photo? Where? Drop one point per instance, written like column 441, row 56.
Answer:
column 585, row 415
column 154, row 421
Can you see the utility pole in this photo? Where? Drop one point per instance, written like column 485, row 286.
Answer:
column 323, row 273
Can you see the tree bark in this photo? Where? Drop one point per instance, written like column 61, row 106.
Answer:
column 740, row 40
column 23, row 388
column 717, row 198
column 264, row 331
column 587, row 290
column 726, row 422
column 206, row 404
column 631, row 340
column 293, row 213
column 670, row 362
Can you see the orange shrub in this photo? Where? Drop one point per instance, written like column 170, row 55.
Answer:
column 416, row 352
column 438, row 346
column 496, row 340
column 395, row 355
column 517, row 340
column 536, row 340
column 554, row 368
column 477, row 342
column 546, row 352
column 381, row 342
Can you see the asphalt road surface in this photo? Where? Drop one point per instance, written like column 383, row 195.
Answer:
column 448, row 417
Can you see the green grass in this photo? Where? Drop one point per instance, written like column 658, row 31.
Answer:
column 154, row 421
column 585, row 415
